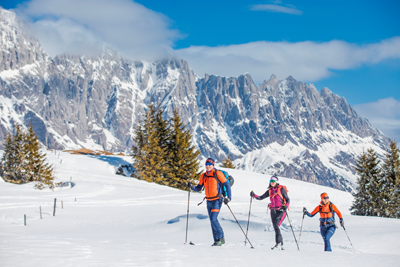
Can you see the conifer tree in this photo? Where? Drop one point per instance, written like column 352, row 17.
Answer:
column 162, row 128
column 183, row 156
column 361, row 198
column 391, row 182
column 374, row 185
column 149, row 151
column 17, row 171
column 37, row 168
column 8, row 161
column 22, row 161
column 227, row 163
column 162, row 150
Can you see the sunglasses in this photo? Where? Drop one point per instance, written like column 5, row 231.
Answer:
column 208, row 164
column 326, row 198
column 272, row 181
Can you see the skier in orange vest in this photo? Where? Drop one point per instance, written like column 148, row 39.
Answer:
column 327, row 212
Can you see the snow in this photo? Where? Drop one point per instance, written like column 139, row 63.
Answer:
column 121, row 221
column 110, row 137
column 10, row 74
column 331, row 143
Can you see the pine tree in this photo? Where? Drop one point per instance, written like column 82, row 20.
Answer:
column 227, row 163
column 162, row 150
column 8, row 160
column 183, row 156
column 375, row 183
column 37, row 168
column 22, row 161
column 361, row 198
column 149, row 151
column 17, row 171
column 391, row 182
column 162, row 129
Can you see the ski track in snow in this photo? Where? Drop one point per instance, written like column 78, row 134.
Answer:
column 121, row 221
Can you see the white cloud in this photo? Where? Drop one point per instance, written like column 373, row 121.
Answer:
column 82, row 26
column 384, row 114
column 306, row 61
column 278, row 7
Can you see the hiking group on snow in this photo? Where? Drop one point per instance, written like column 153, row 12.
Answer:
column 217, row 185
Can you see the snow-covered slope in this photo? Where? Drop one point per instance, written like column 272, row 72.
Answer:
column 120, row 221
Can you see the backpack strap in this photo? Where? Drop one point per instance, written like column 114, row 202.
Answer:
column 278, row 193
column 218, row 182
column 330, row 209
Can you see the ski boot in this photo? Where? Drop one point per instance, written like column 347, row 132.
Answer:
column 219, row 242
column 278, row 246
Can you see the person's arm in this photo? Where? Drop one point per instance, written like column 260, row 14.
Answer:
column 265, row 195
column 335, row 209
column 199, row 186
column 315, row 211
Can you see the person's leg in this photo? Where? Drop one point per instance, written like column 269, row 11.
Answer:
column 324, row 232
column 209, row 208
column 214, row 212
column 276, row 217
column 330, row 231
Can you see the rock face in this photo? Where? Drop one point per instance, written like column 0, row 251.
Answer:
column 284, row 127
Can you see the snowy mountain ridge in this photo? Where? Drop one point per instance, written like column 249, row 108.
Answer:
column 280, row 126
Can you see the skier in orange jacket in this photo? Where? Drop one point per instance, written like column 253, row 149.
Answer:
column 327, row 212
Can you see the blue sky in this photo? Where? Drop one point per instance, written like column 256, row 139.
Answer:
column 351, row 47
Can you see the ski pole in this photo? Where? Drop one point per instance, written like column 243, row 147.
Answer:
column 348, row 238
column 287, row 215
column 187, row 218
column 301, row 228
column 248, row 221
column 240, row 226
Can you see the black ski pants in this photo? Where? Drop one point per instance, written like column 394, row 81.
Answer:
column 277, row 217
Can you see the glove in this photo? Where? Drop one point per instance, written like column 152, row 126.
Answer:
column 252, row 194
column 226, row 200
column 341, row 222
column 304, row 210
column 189, row 185
column 284, row 208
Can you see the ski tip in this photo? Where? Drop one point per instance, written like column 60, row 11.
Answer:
column 191, row 243
column 252, row 247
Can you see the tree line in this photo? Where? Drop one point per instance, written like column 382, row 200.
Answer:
column 163, row 151
column 378, row 192
column 22, row 161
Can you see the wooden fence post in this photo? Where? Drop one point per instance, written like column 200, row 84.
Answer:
column 40, row 207
column 54, row 210
column 25, row 219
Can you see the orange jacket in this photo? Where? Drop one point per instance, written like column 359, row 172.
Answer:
column 210, row 184
column 325, row 211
